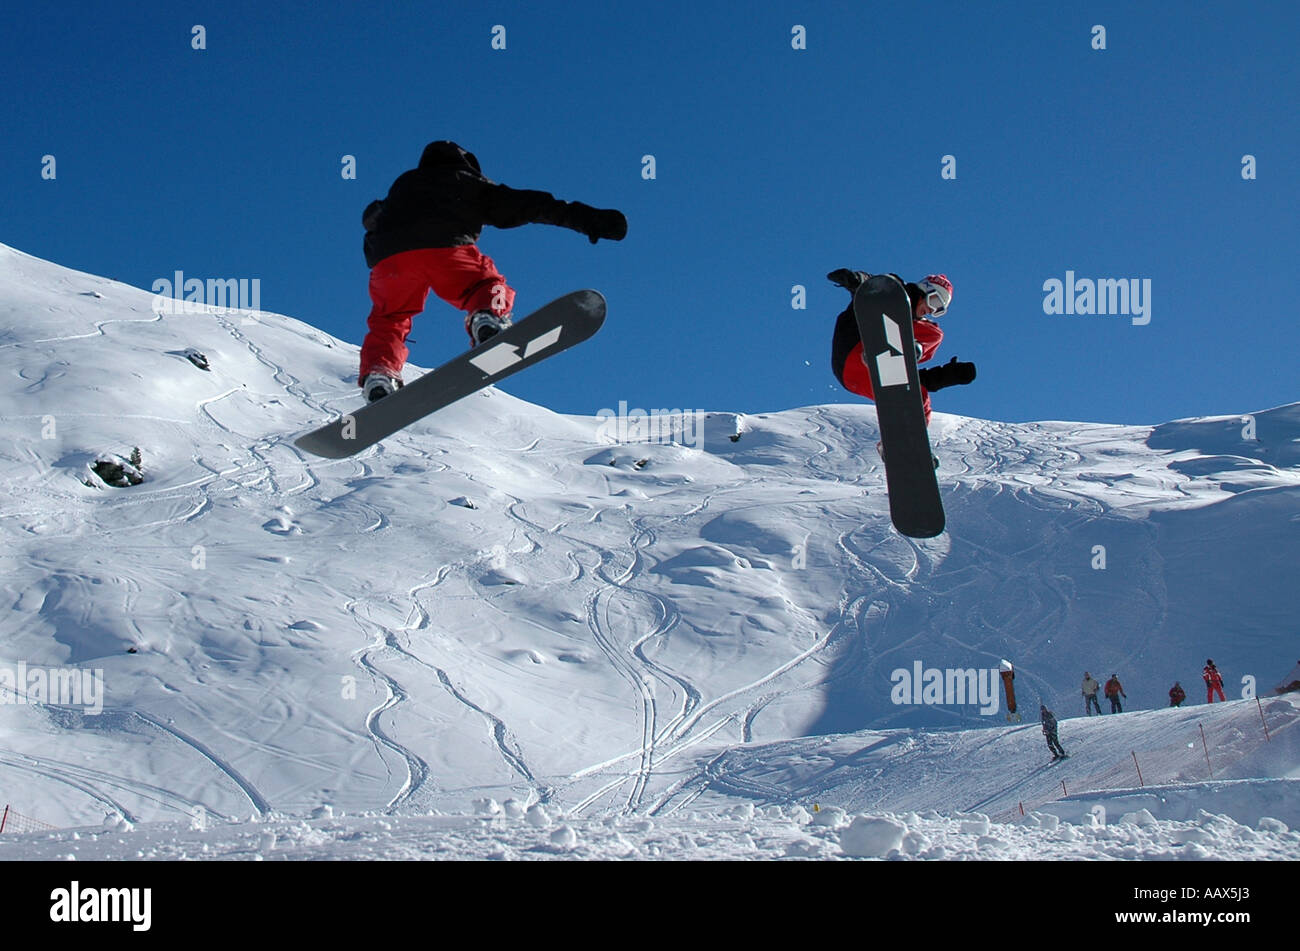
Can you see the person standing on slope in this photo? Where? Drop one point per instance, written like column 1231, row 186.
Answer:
column 1177, row 695
column 1115, row 690
column 423, row 236
column 1213, row 682
column 1049, row 731
column 1090, row 688
column 930, row 297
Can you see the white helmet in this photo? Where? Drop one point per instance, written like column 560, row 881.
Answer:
column 938, row 292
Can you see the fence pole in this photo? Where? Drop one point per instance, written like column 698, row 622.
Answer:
column 1063, row 789
column 1139, row 769
column 1262, row 720
column 1022, row 808
column 1206, row 747
column 4, row 818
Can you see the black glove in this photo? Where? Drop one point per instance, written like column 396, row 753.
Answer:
column 951, row 373
column 608, row 224
column 597, row 223
column 849, row 280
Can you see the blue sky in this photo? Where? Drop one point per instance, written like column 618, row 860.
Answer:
column 773, row 166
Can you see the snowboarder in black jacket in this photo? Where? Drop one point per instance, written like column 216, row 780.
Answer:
column 929, row 298
column 1049, row 731
column 422, row 236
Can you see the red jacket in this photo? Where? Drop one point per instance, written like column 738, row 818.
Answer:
column 857, row 379
column 1212, row 676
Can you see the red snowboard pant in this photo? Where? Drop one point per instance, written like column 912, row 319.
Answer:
column 1211, row 690
column 399, row 286
column 846, row 355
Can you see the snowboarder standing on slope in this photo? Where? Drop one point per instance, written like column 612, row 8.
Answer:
column 1177, row 695
column 1213, row 681
column 1049, row 731
column 1090, row 688
column 930, row 297
column 422, row 236
column 1114, row 690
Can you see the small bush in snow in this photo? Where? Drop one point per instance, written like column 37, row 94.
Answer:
column 118, row 472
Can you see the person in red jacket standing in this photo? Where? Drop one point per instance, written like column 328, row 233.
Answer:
column 1115, row 690
column 1213, row 681
column 930, row 298
column 423, row 236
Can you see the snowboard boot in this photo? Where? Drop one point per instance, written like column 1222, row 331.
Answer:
column 379, row 384
column 847, row 279
column 951, row 373
column 483, row 325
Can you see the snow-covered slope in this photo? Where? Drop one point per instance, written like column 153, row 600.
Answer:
column 502, row 604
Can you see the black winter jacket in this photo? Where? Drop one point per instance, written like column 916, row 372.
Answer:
column 1049, row 723
column 446, row 201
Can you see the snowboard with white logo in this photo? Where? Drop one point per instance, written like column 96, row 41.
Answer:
column 884, row 316
column 559, row 325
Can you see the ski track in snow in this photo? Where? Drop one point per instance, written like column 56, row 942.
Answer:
column 417, row 770
column 254, row 797
column 625, row 651
column 681, row 729
column 94, row 783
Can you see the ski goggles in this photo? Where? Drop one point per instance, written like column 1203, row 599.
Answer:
column 936, row 298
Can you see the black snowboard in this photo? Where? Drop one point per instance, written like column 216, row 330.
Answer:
column 561, row 324
column 884, row 316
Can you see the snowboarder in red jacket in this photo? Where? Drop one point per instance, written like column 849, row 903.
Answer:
column 1213, row 681
column 930, row 297
column 1115, row 690
column 1177, row 695
column 422, row 236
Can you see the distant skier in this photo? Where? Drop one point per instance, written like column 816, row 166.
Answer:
column 1049, row 731
column 1177, row 695
column 1114, row 690
column 422, row 236
column 1090, row 688
column 930, row 297
column 1213, row 682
